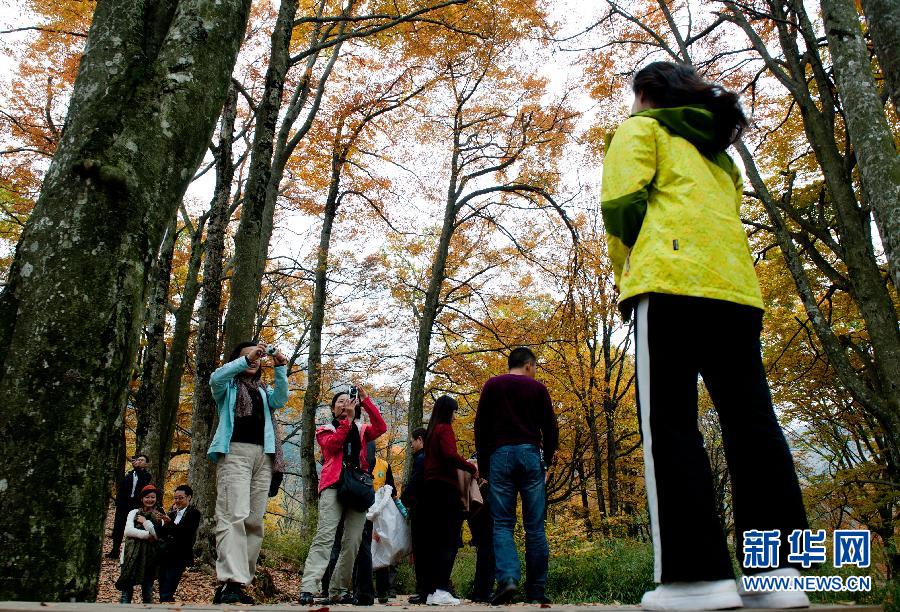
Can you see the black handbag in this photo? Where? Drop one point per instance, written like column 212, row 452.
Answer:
column 355, row 488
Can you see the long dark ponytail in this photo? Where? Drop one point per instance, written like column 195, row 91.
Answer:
column 666, row 84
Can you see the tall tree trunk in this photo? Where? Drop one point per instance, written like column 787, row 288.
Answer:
column 609, row 414
column 159, row 440
column 612, row 450
column 428, row 315
column 878, row 406
column 249, row 250
column 873, row 142
column 314, row 364
column 146, row 400
column 585, row 503
column 150, row 85
column 879, row 397
column 258, row 214
column 201, row 471
column 597, row 450
column 883, row 18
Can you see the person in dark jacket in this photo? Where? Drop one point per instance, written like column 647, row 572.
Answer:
column 128, row 498
column 516, row 436
column 442, row 501
column 481, row 525
column 177, row 535
column 411, row 497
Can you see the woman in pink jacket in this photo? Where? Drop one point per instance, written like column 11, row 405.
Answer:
column 342, row 441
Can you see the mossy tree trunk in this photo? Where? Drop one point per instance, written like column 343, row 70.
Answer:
column 202, row 472
column 147, row 398
column 873, row 142
column 159, row 438
column 150, row 86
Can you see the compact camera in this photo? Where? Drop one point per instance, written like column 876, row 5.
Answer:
column 271, row 350
column 353, row 391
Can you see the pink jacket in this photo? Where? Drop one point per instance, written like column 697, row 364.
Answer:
column 331, row 441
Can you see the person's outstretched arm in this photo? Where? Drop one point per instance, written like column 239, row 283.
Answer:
column 377, row 425
column 218, row 380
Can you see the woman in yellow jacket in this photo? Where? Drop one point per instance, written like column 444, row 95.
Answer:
column 670, row 204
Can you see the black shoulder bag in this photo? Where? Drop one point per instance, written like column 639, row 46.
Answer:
column 355, row 488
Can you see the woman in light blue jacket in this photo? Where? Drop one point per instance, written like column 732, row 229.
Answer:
column 247, row 450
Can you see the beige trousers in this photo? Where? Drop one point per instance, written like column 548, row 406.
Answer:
column 242, row 493
column 330, row 513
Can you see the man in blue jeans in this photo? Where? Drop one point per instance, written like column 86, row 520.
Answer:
column 516, row 435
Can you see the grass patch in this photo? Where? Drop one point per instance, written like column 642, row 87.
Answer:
column 286, row 547
column 611, row 571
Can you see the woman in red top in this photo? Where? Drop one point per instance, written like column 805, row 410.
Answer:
column 442, row 501
column 344, row 439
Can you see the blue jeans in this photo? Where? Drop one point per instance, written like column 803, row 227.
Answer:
column 518, row 469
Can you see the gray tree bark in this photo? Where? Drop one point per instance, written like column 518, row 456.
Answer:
column 150, row 85
column 146, row 400
column 880, row 394
column 268, row 160
column 469, row 162
column 159, row 438
column 883, row 18
column 314, row 363
column 201, row 471
column 429, row 312
column 345, row 140
column 249, row 252
column 873, row 142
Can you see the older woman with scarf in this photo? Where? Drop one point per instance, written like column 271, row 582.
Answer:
column 138, row 558
column 248, row 452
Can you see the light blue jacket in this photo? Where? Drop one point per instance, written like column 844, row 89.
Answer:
column 224, row 389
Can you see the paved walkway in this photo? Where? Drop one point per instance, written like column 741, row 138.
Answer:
column 24, row 606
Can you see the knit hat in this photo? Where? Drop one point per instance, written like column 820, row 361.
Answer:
column 149, row 489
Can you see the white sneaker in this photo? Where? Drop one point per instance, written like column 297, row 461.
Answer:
column 705, row 595
column 441, row 598
column 774, row 599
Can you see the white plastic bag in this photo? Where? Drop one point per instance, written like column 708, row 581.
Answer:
column 390, row 534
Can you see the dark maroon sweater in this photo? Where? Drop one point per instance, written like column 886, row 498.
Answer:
column 441, row 457
column 515, row 409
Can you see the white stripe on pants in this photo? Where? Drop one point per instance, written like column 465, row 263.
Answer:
column 643, row 383
column 242, row 493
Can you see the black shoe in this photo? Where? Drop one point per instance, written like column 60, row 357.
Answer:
column 234, row 593
column 365, row 600
column 306, row 599
column 383, row 599
column 217, row 594
column 480, row 597
column 346, row 599
column 540, row 600
column 504, row 593
column 418, row 600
